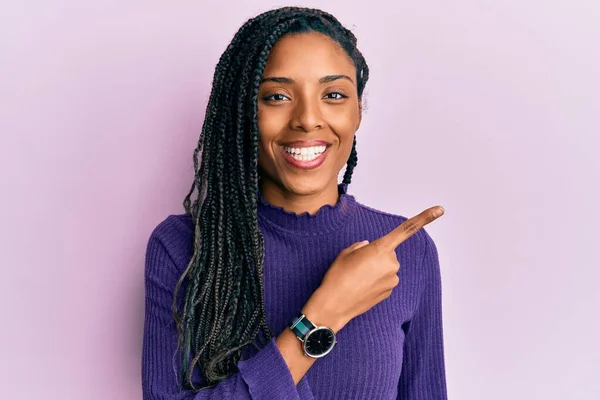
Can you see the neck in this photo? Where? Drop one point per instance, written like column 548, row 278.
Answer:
column 298, row 203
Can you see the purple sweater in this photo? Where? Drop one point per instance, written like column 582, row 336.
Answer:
column 393, row 351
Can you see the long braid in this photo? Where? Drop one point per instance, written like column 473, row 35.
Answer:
column 352, row 161
column 223, row 309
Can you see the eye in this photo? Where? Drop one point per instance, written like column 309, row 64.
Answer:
column 336, row 96
column 276, row 97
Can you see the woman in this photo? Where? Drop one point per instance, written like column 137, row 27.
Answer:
column 282, row 285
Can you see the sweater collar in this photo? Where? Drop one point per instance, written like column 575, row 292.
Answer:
column 327, row 219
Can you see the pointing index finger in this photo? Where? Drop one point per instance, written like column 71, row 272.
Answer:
column 408, row 228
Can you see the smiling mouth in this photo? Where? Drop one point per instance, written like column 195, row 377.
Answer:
column 305, row 153
column 305, row 157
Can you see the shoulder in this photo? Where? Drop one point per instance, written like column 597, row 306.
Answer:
column 174, row 237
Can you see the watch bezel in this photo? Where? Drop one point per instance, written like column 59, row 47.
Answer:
column 319, row 328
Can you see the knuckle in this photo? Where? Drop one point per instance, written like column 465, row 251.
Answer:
column 393, row 262
column 411, row 227
column 378, row 248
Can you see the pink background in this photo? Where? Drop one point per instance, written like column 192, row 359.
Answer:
column 489, row 108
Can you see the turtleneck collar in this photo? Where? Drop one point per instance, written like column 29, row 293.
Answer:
column 327, row 219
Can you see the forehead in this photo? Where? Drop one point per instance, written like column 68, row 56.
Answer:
column 308, row 54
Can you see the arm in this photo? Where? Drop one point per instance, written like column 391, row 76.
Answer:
column 423, row 373
column 264, row 376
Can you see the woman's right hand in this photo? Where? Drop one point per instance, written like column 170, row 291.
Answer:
column 362, row 275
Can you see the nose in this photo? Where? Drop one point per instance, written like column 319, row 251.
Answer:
column 307, row 116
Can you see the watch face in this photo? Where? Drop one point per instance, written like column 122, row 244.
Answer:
column 319, row 342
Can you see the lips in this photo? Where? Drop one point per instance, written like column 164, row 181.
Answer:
column 305, row 154
column 305, row 143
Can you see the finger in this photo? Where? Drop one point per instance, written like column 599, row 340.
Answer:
column 408, row 228
column 360, row 244
column 384, row 296
column 355, row 246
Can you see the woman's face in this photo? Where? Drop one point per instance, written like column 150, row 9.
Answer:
column 308, row 112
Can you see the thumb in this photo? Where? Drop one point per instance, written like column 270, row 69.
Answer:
column 354, row 246
column 358, row 245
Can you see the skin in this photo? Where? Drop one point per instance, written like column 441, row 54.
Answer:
column 303, row 107
column 362, row 275
column 300, row 107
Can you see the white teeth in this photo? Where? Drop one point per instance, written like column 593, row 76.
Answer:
column 305, row 153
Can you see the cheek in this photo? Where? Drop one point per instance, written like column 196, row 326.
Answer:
column 343, row 117
column 265, row 155
column 269, row 122
column 344, row 125
column 267, row 132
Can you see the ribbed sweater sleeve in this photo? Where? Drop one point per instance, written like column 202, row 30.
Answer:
column 423, row 372
column 263, row 376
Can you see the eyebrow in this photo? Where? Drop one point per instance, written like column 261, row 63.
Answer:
column 290, row 81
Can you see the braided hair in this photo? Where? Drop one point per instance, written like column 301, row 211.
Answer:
column 223, row 310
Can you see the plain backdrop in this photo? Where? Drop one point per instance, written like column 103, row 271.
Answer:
column 489, row 108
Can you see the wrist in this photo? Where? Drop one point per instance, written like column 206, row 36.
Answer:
column 318, row 310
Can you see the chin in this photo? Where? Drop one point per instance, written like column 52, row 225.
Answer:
column 306, row 185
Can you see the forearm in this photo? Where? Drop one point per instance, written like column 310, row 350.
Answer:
column 291, row 350
column 318, row 311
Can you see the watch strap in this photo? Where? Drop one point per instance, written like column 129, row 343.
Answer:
column 301, row 326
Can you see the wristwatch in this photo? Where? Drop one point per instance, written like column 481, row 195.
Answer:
column 317, row 341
